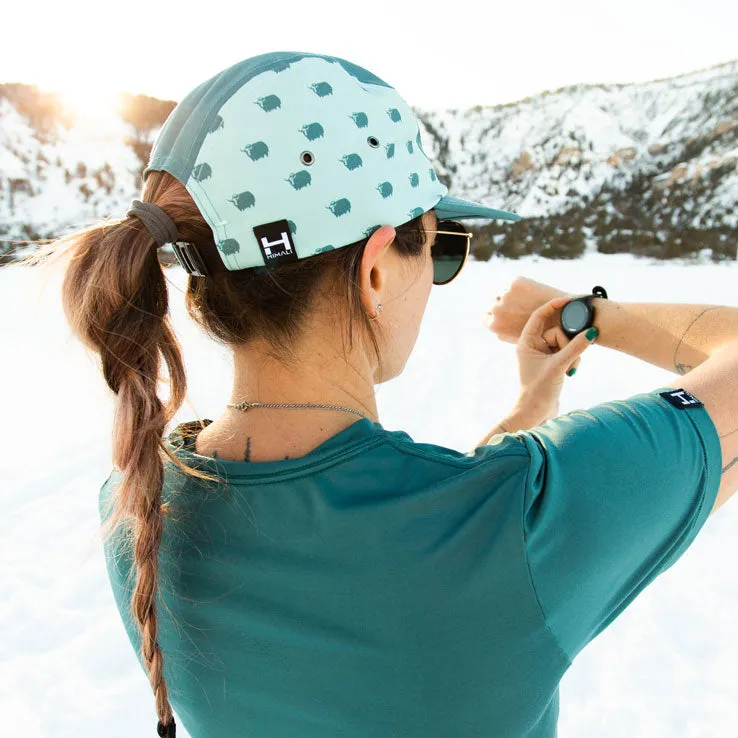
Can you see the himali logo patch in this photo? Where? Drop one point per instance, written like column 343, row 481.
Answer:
column 275, row 242
column 681, row 399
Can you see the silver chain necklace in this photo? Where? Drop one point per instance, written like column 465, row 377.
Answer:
column 246, row 405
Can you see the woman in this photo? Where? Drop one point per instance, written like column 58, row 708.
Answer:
column 289, row 569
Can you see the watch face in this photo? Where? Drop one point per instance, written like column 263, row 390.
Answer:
column 574, row 316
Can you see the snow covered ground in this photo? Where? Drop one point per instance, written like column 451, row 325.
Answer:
column 666, row 668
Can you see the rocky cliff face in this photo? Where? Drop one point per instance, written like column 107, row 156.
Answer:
column 650, row 168
column 647, row 168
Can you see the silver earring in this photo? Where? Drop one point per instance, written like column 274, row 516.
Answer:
column 379, row 310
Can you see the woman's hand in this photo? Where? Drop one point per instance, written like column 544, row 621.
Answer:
column 511, row 311
column 542, row 366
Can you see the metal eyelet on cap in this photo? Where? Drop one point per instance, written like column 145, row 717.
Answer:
column 307, row 158
column 373, row 142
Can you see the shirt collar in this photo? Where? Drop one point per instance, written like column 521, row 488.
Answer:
column 182, row 441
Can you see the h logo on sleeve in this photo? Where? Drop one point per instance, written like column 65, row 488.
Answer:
column 275, row 242
column 681, row 399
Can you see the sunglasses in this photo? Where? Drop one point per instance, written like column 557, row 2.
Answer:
column 449, row 252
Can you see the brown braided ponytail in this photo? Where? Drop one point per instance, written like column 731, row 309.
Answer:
column 115, row 298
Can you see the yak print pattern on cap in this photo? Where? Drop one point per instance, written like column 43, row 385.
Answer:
column 250, row 169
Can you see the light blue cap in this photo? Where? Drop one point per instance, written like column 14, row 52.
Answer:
column 288, row 154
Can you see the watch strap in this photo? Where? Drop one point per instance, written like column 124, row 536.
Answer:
column 597, row 291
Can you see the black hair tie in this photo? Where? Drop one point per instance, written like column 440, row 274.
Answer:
column 157, row 222
column 167, row 731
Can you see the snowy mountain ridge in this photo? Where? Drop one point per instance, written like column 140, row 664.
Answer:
column 650, row 167
column 540, row 155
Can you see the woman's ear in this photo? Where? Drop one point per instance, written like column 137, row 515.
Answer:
column 382, row 237
column 370, row 277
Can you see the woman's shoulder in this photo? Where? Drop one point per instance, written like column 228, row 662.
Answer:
column 500, row 446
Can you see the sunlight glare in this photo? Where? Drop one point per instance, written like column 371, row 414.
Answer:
column 89, row 102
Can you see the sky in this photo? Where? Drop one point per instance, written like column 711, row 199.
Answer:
column 487, row 53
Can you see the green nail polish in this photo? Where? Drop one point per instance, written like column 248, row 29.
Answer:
column 591, row 334
column 571, row 372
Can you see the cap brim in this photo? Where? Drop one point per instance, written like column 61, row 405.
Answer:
column 452, row 207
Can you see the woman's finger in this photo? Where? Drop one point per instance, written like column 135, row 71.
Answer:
column 556, row 337
column 533, row 330
column 574, row 366
column 573, row 350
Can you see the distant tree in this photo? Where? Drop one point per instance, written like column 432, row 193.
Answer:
column 568, row 245
column 482, row 245
column 144, row 113
column 42, row 110
column 514, row 246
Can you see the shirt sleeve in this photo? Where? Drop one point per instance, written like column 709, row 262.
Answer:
column 614, row 496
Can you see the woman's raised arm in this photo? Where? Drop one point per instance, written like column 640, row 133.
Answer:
column 674, row 336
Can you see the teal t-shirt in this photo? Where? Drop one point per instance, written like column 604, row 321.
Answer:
column 383, row 587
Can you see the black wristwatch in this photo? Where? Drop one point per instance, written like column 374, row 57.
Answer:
column 578, row 314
